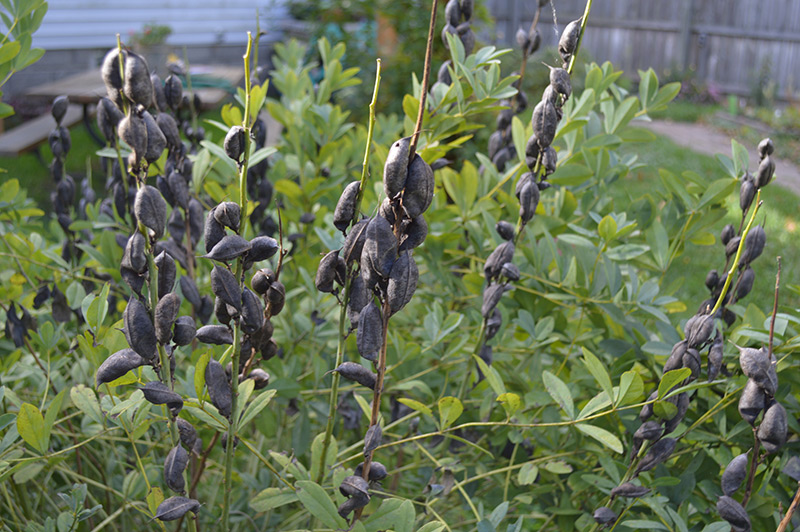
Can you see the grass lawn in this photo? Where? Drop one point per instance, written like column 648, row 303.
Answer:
column 778, row 214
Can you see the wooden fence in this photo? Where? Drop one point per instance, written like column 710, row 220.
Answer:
column 728, row 44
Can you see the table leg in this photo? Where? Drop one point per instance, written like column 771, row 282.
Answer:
column 88, row 123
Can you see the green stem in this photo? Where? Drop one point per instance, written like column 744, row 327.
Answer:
column 237, row 331
column 584, row 19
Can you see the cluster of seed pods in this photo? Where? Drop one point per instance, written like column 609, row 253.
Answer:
column 457, row 22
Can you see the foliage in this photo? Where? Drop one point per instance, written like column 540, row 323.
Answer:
column 21, row 19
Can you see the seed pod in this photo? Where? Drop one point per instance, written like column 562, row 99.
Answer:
column 184, row 331
column 377, row 471
column 228, row 214
column 732, row 246
column 493, row 324
column 604, row 515
column 501, row 158
column 745, row 283
column 346, row 207
column 734, row 475
column 350, row 505
column 691, row 360
column 159, row 98
column 510, row 271
column 747, row 193
column 452, row 13
column 727, row 233
column 467, row 37
column 443, row 76
column 528, row 201
column 175, row 463
column 252, row 312
column 108, row 118
column 110, row 72
column 734, row 513
column 402, row 281
column 414, row 234
column 494, row 262
column 214, row 334
column 395, row 169
column 544, row 121
column 756, row 365
column 159, row 393
column 225, row 287
column 549, row 160
column 117, row 365
column 752, row 402
column 372, row 439
column 173, row 91
column 326, row 272
column 190, row 292
column 629, row 490
column 491, row 297
column 466, row 8
column 151, row 210
column 559, row 80
column 659, row 452
column 700, row 330
column 715, row 357
column 496, row 142
column 356, row 372
column 712, row 278
column 59, row 108
column 175, row 508
column 133, row 131
column 505, row 116
column 683, row 406
column 229, row 248
column 262, row 248
column 219, row 389
column 276, row 295
column 754, row 244
column 139, row 330
column 354, row 242
column 137, row 86
column 156, row 141
column 370, row 330
column 354, row 487
column 260, row 281
column 773, row 428
column 166, row 314
column 134, row 257
column 765, row 147
column 213, row 231
column 650, row 430
column 235, row 142
column 187, row 433
column 505, row 230
column 766, row 169
column 166, row 273
column 569, row 39
column 380, row 247
column 418, row 189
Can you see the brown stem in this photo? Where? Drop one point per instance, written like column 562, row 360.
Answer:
column 424, row 89
column 788, row 517
column 751, row 474
column 774, row 307
column 198, row 473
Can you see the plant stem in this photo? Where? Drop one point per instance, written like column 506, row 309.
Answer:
column 423, row 94
column 788, row 517
column 237, row 330
column 774, row 307
column 584, row 19
column 751, row 474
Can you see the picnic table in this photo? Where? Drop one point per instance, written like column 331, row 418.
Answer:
column 211, row 83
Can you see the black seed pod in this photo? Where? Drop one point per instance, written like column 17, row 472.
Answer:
column 732, row 246
column 225, row 287
column 402, row 282
column 159, row 98
column 166, row 273
column 727, row 233
column 734, row 475
column 496, row 141
column 156, row 141
column 190, row 292
column 354, row 242
column 377, row 471
column 691, row 360
column 108, row 118
column 418, row 189
column 59, row 108
column 754, row 244
column 765, row 171
column 175, row 463
column 712, row 279
column 715, row 357
column 262, row 248
column 493, row 324
column 134, row 257
column 414, row 234
column 765, row 147
column 276, row 295
column 372, row 439
column 452, row 13
column 187, row 433
column 505, row 230
column 494, row 262
column 528, row 201
column 228, row 214
column 184, row 331
column 346, row 207
column 133, row 131
column 355, row 487
column 166, row 314
column 700, row 331
column 151, row 210
column 234, row 143
column 214, row 334
column 757, row 366
column 219, row 389
column 175, row 508
column 117, row 365
column 380, row 247
column 569, row 39
column 260, row 282
column 733, row 512
column 559, row 80
column 139, row 330
column 510, row 271
column 604, row 515
column 159, row 394
column 357, row 373
column 350, row 505
column 747, row 192
column 683, row 406
column 544, row 121
column 650, row 430
column 137, row 86
column 629, row 490
column 326, row 272
column 443, row 76
column 252, row 312
column 466, row 8
column 173, row 91
column 773, row 429
column 229, row 248
column 745, row 283
column 260, row 378
column 752, row 402
column 467, row 37
column 660, row 451
column 395, row 169
column 213, row 231
column 491, row 297
column 111, row 74
column 370, row 327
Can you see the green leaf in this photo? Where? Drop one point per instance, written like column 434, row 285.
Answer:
column 598, row 371
column 9, row 51
column 85, row 399
column 416, row 405
column 394, row 514
column 559, row 467
column 316, row 453
column 527, row 474
column 30, row 425
column 559, row 392
column 272, row 498
column 570, row 175
column 518, row 136
column 664, row 409
column 671, row 379
column 607, row 228
column 200, row 373
column 492, row 377
column 319, row 504
column 258, row 404
column 511, row 402
column 449, row 410
column 631, row 388
column 154, row 499
column 52, row 412
column 601, row 435
column 434, row 526
column 97, row 309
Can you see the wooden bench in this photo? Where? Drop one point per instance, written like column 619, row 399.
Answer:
column 28, row 135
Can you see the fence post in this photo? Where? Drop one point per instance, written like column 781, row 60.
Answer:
column 686, row 33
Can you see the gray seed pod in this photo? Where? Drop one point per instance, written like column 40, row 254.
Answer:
column 496, row 141
column 510, row 271
column 260, row 378
column 59, row 108
column 650, row 430
column 276, row 294
column 380, row 247
column 715, row 357
column 179, row 188
column 261, row 281
column 683, row 406
column 111, row 74
column 524, row 179
column 132, row 279
column 377, row 471
column 187, row 433
column 629, row 490
column 132, row 130
column 357, row 373
column 173, row 91
column 395, row 169
column 745, row 283
column 559, row 80
column 766, row 169
column 466, row 8
column 491, row 297
column 727, row 233
column 452, row 13
column 108, row 118
column 190, row 292
column 402, row 281
column 505, row 230
column 765, row 147
column 360, row 296
column 139, row 330
column 235, row 142
column 262, row 248
column 532, row 147
column 166, row 314
column 691, row 360
column 221, row 311
column 167, row 273
column 175, row 463
column 213, row 231
column 355, row 487
column 659, row 452
column 137, row 86
column 169, row 128
column 175, row 508
column 159, row 393
column 156, row 141
column 549, row 160
column 712, row 278
column 752, row 402
column 501, row 158
column 569, row 39
column 747, row 192
column 528, row 201
column 184, row 332
column 773, row 429
column 494, row 262
column 252, row 312
column 134, row 257
column 370, row 331
column 214, row 334
column 151, row 210
column 545, row 121
column 372, row 439
column 493, row 324
column 467, row 37
column 159, row 98
column 675, row 360
column 754, row 244
column 604, row 515
column 326, row 272
column 117, row 365
column 414, row 234
column 734, row 475
column 418, row 189
column 350, row 505
column 732, row 246
column 196, row 220
column 229, row 248
column 354, row 242
column 756, row 365
column 346, row 207
column 504, row 117
column 228, row 214
column 443, row 75
column 225, row 287
column 219, row 389
column 701, row 330
column 733, row 512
